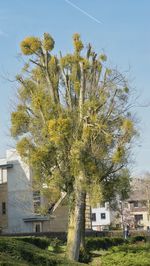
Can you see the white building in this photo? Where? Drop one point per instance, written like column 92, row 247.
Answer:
column 17, row 199
column 101, row 217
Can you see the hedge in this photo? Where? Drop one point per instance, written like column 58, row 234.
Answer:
column 96, row 243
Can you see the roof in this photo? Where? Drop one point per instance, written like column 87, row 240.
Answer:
column 36, row 219
column 140, row 190
column 5, row 166
column 137, row 196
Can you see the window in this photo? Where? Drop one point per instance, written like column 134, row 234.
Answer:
column 103, row 216
column 138, row 217
column 38, row 227
column 37, row 206
column 143, row 203
column 36, row 195
column 3, row 207
column 36, row 201
column 1, row 176
column 93, row 217
column 135, row 204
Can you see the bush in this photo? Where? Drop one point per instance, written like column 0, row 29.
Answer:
column 128, row 255
column 135, row 239
column 18, row 252
column 84, row 256
column 96, row 243
column 40, row 242
column 55, row 244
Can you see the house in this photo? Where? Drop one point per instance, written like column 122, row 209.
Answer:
column 139, row 203
column 101, row 217
column 18, row 201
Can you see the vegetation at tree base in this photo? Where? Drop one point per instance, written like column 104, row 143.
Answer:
column 24, row 251
column 73, row 126
column 19, row 252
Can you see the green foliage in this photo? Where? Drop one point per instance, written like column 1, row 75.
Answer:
column 55, row 244
column 103, row 57
column 40, row 242
column 84, row 256
column 30, row 45
column 139, row 238
column 120, row 185
column 126, row 255
column 72, row 119
column 20, row 121
column 78, row 45
column 97, row 243
column 21, row 252
column 48, row 42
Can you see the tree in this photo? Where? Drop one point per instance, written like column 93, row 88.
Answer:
column 72, row 124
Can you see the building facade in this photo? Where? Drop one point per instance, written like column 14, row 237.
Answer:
column 17, row 198
column 101, row 217
column 139, row 203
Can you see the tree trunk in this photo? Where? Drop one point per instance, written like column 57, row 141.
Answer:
column 82, row 245
column 76, row 225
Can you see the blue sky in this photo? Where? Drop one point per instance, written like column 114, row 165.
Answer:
column 123, row 33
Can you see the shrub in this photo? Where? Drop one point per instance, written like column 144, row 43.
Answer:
column 84, row 256
column 96, row 243
column 55, row 243
column 135, row 239
column 41, row 242
column 128, row 255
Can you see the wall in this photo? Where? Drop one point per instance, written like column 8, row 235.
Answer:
column 59, row 222
column 3, row 198
column 99, row 223
column 20, row 201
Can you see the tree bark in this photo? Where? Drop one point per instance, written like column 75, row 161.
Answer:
column 76, row 225
column 82, row 245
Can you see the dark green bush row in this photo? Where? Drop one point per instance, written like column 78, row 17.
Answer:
column 41, row 242
column 96, row 243
column 25, row 253
column 135, row 239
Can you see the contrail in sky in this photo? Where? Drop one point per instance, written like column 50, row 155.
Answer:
column 83, row 12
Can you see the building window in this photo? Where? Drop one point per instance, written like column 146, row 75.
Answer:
column 94, row 217
column 37, row 206
column 103, row 216
column 138, row 217
column 38, row 227
column 3, row 207
column 143, row 203
column 135, row 204
column 1, row 176
column 36, row 201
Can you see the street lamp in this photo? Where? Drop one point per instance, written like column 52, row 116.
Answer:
column 124, row 229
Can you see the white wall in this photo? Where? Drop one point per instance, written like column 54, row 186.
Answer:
column 99, row 223
column 20, row 201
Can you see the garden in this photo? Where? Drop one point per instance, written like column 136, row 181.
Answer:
column 100, row 251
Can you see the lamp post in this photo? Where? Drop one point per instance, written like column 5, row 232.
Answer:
column 122, row 218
